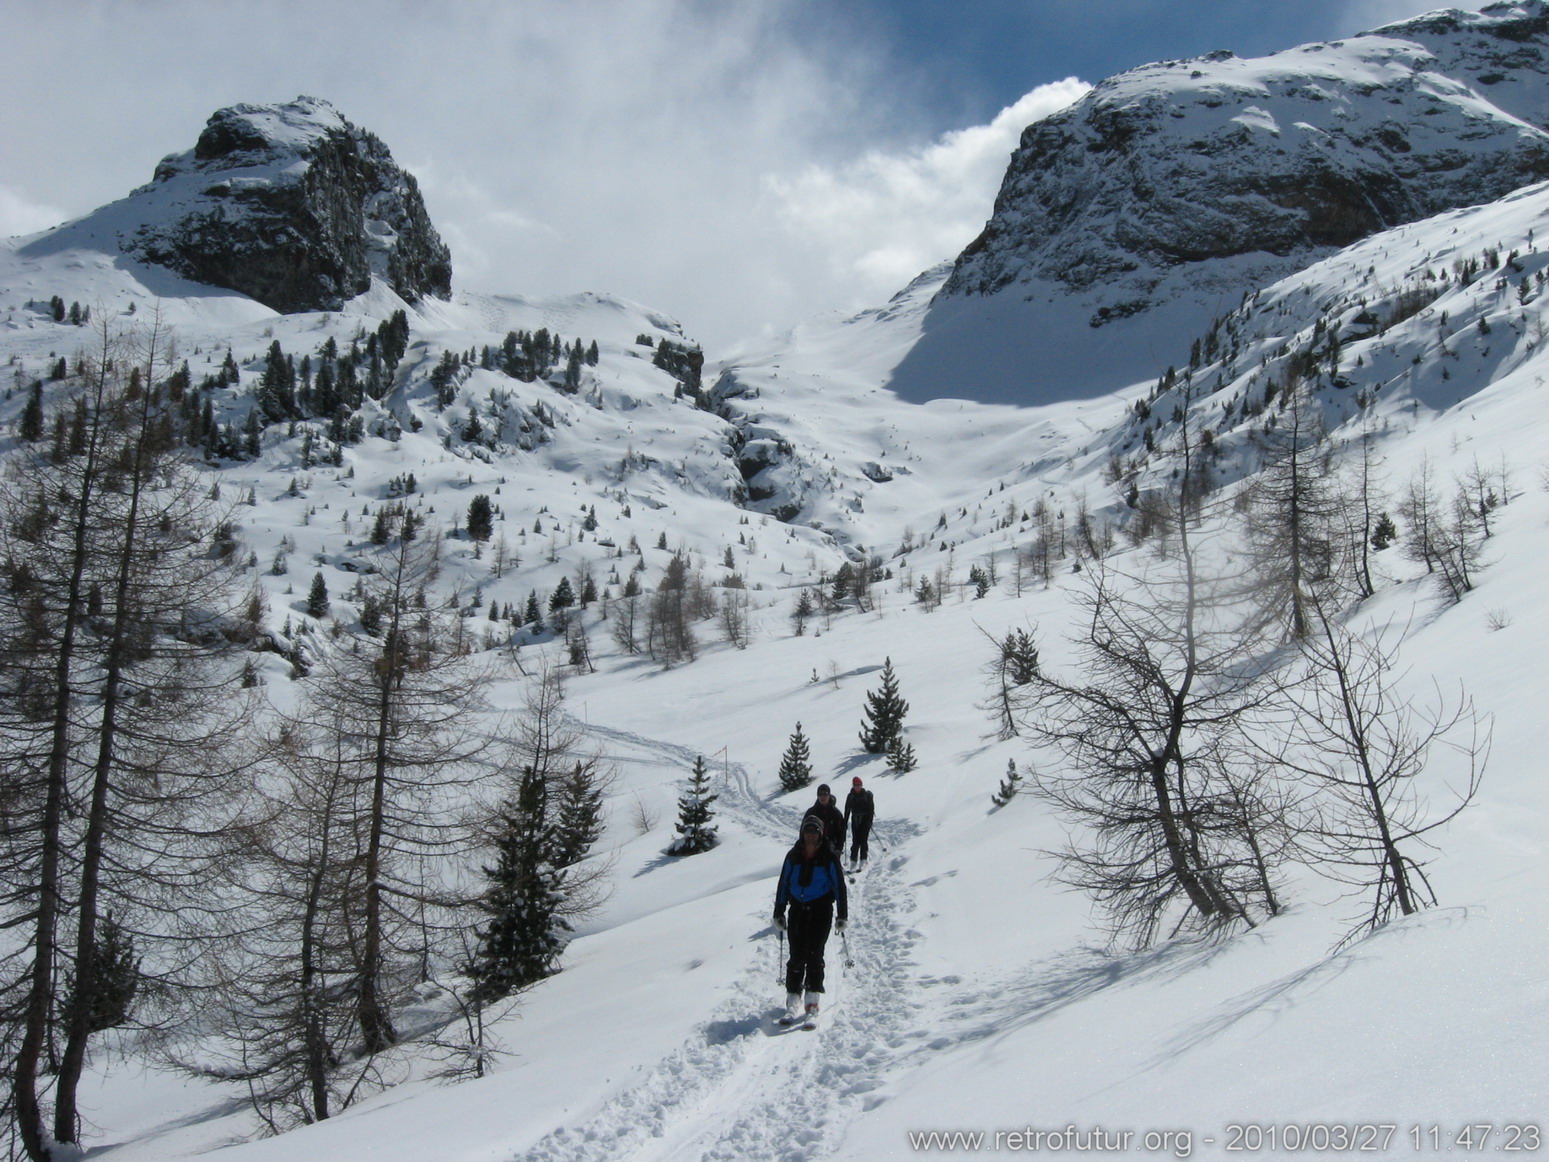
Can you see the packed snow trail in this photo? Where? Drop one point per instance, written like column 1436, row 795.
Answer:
column 740, row 1088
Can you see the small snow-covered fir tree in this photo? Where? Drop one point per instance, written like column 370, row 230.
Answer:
column 796, row 763
column 1009, row 786
column 694, row 831
column 802, row 613
column 885, row 712
column 900, row 756
column 317, row 597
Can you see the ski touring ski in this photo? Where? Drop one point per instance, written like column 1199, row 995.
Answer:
column 807, row 1021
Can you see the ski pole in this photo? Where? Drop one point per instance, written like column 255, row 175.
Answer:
column 780, row 964
column 844, row 940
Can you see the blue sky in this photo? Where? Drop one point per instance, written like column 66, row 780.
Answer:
column 992, row 51
column 739, row 164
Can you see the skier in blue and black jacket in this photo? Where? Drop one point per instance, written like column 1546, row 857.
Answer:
column 812, row 887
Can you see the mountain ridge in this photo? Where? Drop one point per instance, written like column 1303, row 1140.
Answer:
column 1172, row 189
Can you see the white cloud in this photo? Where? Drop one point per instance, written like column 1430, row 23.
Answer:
column 888, row 215
column 18, row 215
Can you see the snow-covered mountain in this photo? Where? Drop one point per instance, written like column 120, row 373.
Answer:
column 1127, row 222
column 973, row 993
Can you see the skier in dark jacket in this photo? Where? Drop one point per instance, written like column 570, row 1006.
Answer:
column 812, row 888
column 859, row 809
column 832, row 818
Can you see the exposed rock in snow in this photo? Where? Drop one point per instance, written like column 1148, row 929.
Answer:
column 289, row 204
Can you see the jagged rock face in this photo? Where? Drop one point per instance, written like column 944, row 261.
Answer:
column 293, row 206
column 1161, row 173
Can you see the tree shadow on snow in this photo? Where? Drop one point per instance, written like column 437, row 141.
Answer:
column 1050, row 986
column 1282, row 995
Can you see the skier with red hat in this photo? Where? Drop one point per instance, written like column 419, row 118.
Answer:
column 858, row 811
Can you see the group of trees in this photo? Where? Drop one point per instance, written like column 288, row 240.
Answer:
column 662, row 624
column 882, row 732
column 76, row 315
column 532, row 355
column 116, row 710
column 1226, row 719
column 286, row 880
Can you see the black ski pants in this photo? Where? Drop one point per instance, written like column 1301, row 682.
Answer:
column 807, row 929
column 860, row 831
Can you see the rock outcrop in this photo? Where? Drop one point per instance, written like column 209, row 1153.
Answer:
column 1291, row 155
column 293, row 206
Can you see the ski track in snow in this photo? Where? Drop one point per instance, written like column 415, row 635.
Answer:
column 740, row 1088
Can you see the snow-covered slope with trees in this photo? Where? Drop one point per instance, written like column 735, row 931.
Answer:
column 975, row 991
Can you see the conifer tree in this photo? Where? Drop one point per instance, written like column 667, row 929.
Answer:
column 115, row 980
column 885, row 712
column 694, row 814
column 481, row 518
column 112, row 727
column 31, row 429
column 395, row 718
column 900, row 756
column 802, row 612
column 796, row 763
column 277, row 388
column 579, row 817
column 525, row 935
column 563, row 596
column 1009, row 785
column 317, row 597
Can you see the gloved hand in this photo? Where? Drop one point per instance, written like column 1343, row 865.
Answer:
column 839, row 926
column 779, row 921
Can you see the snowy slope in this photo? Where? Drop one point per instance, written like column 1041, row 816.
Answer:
column 980, row 998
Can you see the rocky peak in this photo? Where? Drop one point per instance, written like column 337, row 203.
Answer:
column 1128, row 221
column 293, row 206
column 1283, row 157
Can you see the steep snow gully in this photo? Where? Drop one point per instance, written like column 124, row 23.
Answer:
column 741, row 1088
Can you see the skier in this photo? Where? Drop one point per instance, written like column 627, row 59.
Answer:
column 812, row 886
column 858, row 811
column 831, row 817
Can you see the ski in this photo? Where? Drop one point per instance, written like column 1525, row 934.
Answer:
column 793, row 1021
